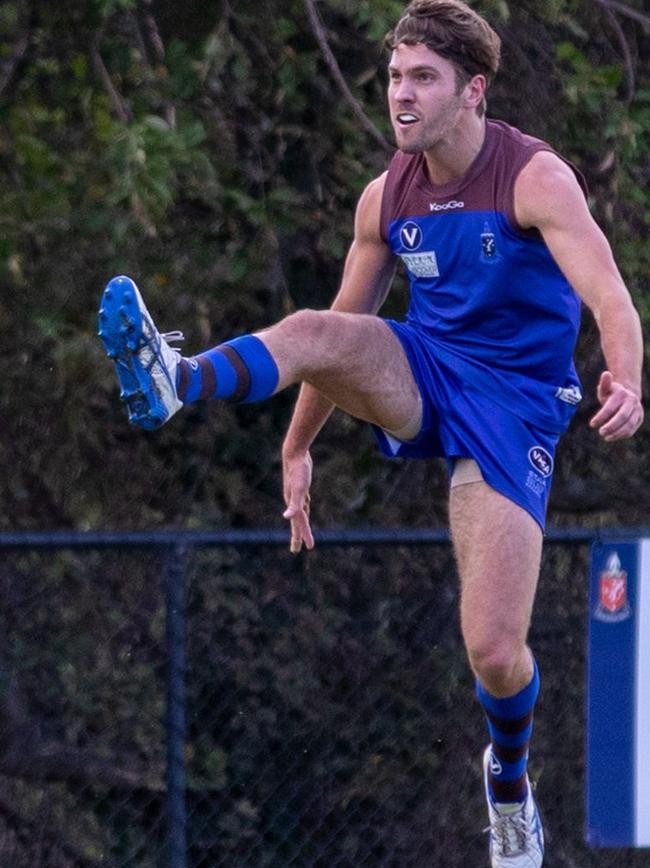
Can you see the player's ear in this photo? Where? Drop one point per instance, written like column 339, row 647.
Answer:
column 474, row 91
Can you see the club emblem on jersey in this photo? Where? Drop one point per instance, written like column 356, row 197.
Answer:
column 411, row 235
column 613, row 603
column 489, row 252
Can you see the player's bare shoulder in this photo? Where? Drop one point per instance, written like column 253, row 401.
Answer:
column 374, row 190
column 545, row 186
column 368, row 215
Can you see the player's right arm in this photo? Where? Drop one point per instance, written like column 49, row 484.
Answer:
column 367, row 276
column 548, row 197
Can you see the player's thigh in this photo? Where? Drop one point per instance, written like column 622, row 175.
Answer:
column 498, row 549
column 357, row 362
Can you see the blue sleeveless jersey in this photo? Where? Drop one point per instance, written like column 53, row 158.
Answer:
column 485, row 292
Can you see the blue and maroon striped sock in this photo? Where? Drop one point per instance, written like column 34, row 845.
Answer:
column 510, row 722
column 240, row 371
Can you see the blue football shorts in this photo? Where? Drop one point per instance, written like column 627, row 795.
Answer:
column 515, row 457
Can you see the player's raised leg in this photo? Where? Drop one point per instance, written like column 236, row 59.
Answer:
column 498, row 548
column 355, row 360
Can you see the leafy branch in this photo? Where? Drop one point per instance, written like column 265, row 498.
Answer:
column 624, row 9
column 335, row 71
column 117, row 100
column 31, row 831
column 12, row 63
column 609, row 6
column 23, row 754
column 157, row 45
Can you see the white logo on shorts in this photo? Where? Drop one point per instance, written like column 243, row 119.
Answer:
column 571, row 395
column 541, row 460
column 536, row 483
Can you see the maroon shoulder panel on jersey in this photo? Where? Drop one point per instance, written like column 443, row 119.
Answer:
column 488, row 184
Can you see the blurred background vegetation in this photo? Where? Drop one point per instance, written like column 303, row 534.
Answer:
column 209, row 151
column 215, row 152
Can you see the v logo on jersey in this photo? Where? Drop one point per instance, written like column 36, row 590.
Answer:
column 411, row 235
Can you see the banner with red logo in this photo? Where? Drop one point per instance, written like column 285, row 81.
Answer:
column 618, row 705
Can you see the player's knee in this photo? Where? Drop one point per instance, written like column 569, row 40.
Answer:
column 494, row 661
column 307, row 324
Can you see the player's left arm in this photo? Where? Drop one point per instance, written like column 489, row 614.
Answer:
column 549, row 198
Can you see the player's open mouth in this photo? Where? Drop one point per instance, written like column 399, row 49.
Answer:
column 405, row 119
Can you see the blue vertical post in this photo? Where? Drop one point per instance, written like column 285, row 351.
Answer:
column 176, row 719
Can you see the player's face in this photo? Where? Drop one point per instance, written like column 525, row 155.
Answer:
column 425, row 101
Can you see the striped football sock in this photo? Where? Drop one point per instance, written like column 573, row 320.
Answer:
column 510, row 722
column 240, row 371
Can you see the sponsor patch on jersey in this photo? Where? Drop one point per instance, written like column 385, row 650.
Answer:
column 445, row 206
column 541, row 460
column 411, row 235
column 421, row 264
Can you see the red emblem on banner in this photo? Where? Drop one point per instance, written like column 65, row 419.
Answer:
column 613, row 592
column 613, row 604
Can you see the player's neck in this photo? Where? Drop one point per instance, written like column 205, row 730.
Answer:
column 451, row 158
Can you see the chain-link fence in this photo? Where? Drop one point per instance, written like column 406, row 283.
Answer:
column 193, row 701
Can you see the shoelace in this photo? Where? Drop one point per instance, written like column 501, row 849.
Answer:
column 149, row 332
column 510, row 833
column 151, row 339
column 173, row 336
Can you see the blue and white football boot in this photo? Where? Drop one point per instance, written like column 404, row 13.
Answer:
column 516, row 838
column 145, row 363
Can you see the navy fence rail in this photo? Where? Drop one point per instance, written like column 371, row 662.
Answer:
column 198, row 699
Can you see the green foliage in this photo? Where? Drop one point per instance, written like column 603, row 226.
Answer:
column 222, row 174
column 496, row 10
column 107, row 7
column 374, row 18
column 148, row 162
column 82, row 661
column 614, row 133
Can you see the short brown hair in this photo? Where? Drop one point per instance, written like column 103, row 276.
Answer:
column 452, row 30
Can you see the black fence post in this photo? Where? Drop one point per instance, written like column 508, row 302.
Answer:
column 176, row 722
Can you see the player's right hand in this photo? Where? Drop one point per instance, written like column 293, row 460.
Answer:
column 296, row 472
column 621, row 410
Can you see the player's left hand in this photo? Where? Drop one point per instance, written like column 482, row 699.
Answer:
column 621, row 412
column 297, row 472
